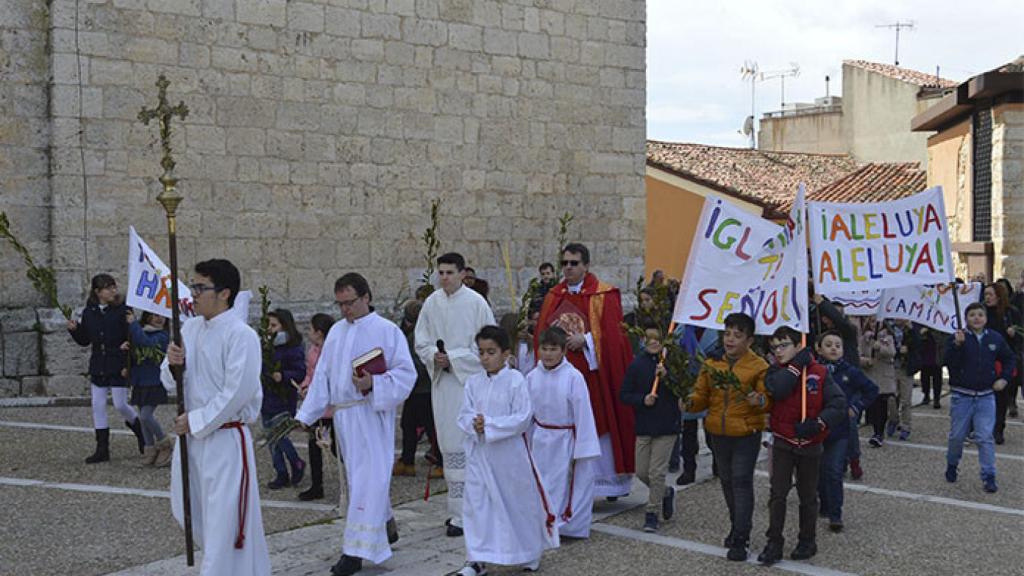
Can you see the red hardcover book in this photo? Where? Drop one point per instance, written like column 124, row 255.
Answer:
column 371, row 362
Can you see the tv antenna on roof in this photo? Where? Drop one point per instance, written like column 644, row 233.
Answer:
column 751, row 71
column 908, row 25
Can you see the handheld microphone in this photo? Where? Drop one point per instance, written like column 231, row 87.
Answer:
column 440, row 348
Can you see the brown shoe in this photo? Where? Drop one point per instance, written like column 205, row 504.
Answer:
column 436, row 472
column 148, row 456
column 403, row 469
column 164, row 451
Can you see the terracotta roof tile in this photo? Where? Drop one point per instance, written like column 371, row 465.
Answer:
column 906, row 75
column 769, row 179
column 875, row 182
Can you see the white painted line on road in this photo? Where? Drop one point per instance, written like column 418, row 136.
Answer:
column 124, row 491
column 924, row 498
column 60, row 427
column 709, row 550
column 945, row 416
column 934, row 448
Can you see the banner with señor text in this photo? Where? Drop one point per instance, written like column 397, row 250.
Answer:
column 149, row 281
column 931, row 306
column 740, row 262
column 880, row 245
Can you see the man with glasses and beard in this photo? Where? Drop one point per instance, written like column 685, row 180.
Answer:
column 590, row 312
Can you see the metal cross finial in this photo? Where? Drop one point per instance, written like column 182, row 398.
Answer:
column 164, row 112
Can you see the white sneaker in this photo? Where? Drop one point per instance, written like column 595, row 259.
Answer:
column 470, row 569
column 532, row 566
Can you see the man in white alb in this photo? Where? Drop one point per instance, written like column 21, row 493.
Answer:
column 445, row 342
column 220, row 356
column 365, row 398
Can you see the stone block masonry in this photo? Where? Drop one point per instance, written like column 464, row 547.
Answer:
column 320, row 131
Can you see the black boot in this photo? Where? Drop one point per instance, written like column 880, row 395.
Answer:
column 347, row 566
column 392, row 528
column 102, row 453
column 136, row 428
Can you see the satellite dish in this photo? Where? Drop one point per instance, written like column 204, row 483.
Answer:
column 748, row 126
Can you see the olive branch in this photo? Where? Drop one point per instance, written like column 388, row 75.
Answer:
column 42, row 277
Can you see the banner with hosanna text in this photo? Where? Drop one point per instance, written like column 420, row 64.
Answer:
column 880, row 245
column 740, row 262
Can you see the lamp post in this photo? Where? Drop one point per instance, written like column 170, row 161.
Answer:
column 169, row 198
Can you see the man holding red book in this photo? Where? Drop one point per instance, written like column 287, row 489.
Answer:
column 364, row 372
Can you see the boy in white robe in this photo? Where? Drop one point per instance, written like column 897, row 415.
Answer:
column 563, row 436
column 451, row 316
column 222, row 395
column 364, row 418
column 507, row 517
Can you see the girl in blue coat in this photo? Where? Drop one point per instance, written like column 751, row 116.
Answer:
column 149, row 344
column 280, row 393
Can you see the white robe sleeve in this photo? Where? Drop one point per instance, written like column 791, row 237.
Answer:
column 318, row 395
column 393, row 386
column 241, row 384
column 514, row 423
column 166, row 378
column 587, row 444
column 465, row 361
column 424, row 337
column 589, row 353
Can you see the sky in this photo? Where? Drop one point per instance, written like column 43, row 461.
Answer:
column 695, row 50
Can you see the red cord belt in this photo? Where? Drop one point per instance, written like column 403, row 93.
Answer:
column 567, row 514
column 243, row 492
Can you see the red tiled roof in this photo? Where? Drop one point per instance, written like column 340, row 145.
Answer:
column 911, row 76
column 875, row 182
column 769, row 179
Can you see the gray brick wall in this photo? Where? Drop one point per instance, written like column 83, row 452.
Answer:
column 319, row 133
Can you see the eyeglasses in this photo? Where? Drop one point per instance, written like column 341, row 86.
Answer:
column 347, row 303
column 198, row 288
column 779, row 347
column 567, row 263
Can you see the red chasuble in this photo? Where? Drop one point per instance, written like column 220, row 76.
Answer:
column 597, row 309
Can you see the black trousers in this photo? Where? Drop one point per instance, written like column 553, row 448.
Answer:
column 806, row 462
column 931, row 382
column 316, row 454
column 736, row 457
column 878, row 413
column 416, row 413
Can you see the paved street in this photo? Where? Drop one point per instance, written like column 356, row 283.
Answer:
column 902, row 517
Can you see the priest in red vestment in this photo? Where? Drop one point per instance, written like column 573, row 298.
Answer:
column 590, row 311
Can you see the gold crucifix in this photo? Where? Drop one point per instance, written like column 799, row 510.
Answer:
column 164, row 112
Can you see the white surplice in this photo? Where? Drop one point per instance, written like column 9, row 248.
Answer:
column 506, row 513
column 455, row 319
column 221, row 385
column 564, row 443
column 364, row 425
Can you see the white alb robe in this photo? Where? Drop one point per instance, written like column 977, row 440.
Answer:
column 221, row 385
column 506, row 510
column 456, row 319
column 364, row 425
column 564, row 443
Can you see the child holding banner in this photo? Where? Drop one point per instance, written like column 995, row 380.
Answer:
column 973, row 359
column 731, row 389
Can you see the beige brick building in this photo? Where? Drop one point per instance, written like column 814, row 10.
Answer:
column 319, row 133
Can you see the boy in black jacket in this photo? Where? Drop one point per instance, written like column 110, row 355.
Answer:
column 657, row 424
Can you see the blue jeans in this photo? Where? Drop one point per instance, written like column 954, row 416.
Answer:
column 853, row 440
column 830, row 480
column 279, row 450
column 977, row 413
